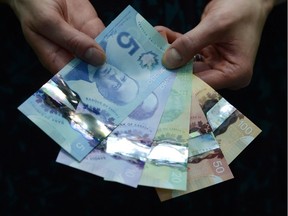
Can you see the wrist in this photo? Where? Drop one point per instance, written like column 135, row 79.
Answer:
column 279, row 1
column 265, row 7
column 268, row 5
column 13, row 4
column 8, row 2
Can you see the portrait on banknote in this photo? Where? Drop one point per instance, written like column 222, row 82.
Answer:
column 146, row 109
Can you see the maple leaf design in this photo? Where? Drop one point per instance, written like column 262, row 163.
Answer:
column 148, row 60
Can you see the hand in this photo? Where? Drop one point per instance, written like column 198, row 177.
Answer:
column 59, row 30
column 227, row 39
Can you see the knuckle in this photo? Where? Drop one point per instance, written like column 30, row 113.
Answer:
column 186, row 45
column 73, row 43
column 223, row 21
column 47, row 23
column 240, row 77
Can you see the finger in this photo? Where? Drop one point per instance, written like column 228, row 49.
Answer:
column 203, row 71
column 200, row 66
column 51, row 56
column 164, row 35
column 167, row 33
column 216, row 78
column 213, row 78
column 78, row 43
column 186, row 46
column 93, row 27
column 206, row 71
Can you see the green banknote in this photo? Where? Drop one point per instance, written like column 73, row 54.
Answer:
column 207, row 165
column 210, row 153
column 166, row 165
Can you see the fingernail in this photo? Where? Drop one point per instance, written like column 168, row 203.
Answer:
column 172, row 58
column 94, row 56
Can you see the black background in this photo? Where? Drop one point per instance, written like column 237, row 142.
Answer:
column 32, row 183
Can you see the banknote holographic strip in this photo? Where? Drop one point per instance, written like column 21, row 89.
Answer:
column 162, row 168
column 61, row 98
column 233, row 131
column 165, row 153
column 130, row 143
column 219, row 113
column 134, row 136
column 203, row 143
column 126, row 147
column 206, row 163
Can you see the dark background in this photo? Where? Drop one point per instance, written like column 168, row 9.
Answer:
column 32, row 183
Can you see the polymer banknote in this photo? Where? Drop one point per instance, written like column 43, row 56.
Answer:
column 122, row 157
column 232, row 129
column 82, row 104
column 204, row 170
column 229, row 132
column 166, row 164
column 207, row 165
column 130, row 143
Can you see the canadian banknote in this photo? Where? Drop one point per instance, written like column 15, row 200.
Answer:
column 130, row 143
column 122, row 157
column 198, row 122
column 82, row 104
column 205, row 169
column 207, row 165
column 232, row 130
column 166, row 164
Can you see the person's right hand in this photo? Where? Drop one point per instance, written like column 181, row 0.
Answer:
column 59, row 30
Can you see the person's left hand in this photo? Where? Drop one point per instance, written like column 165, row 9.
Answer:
column 225, row 42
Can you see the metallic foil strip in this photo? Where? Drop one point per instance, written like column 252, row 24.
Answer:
column 60, row 97
column 131, row 147
column 167, row 154
column 219, row 113
column 201, row 144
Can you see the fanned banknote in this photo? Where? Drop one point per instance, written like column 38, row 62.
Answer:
column 233, row 130
column 93, row 163
column 166, row 164
column 82, row 104
column 198, row 122
column 204, row 170
column 104, row 118
column 130, row 143
column 123, row 160
column 207, row 165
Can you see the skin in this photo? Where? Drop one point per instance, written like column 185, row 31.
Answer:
column 228, row 38
column 57, row 32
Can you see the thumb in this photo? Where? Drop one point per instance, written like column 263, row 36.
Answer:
column 78, row 43
column 185, row 47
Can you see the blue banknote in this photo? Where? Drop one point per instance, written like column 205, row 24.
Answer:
column 82, row 104
column 131, row 141
column 166, row 164
column 122, row 156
